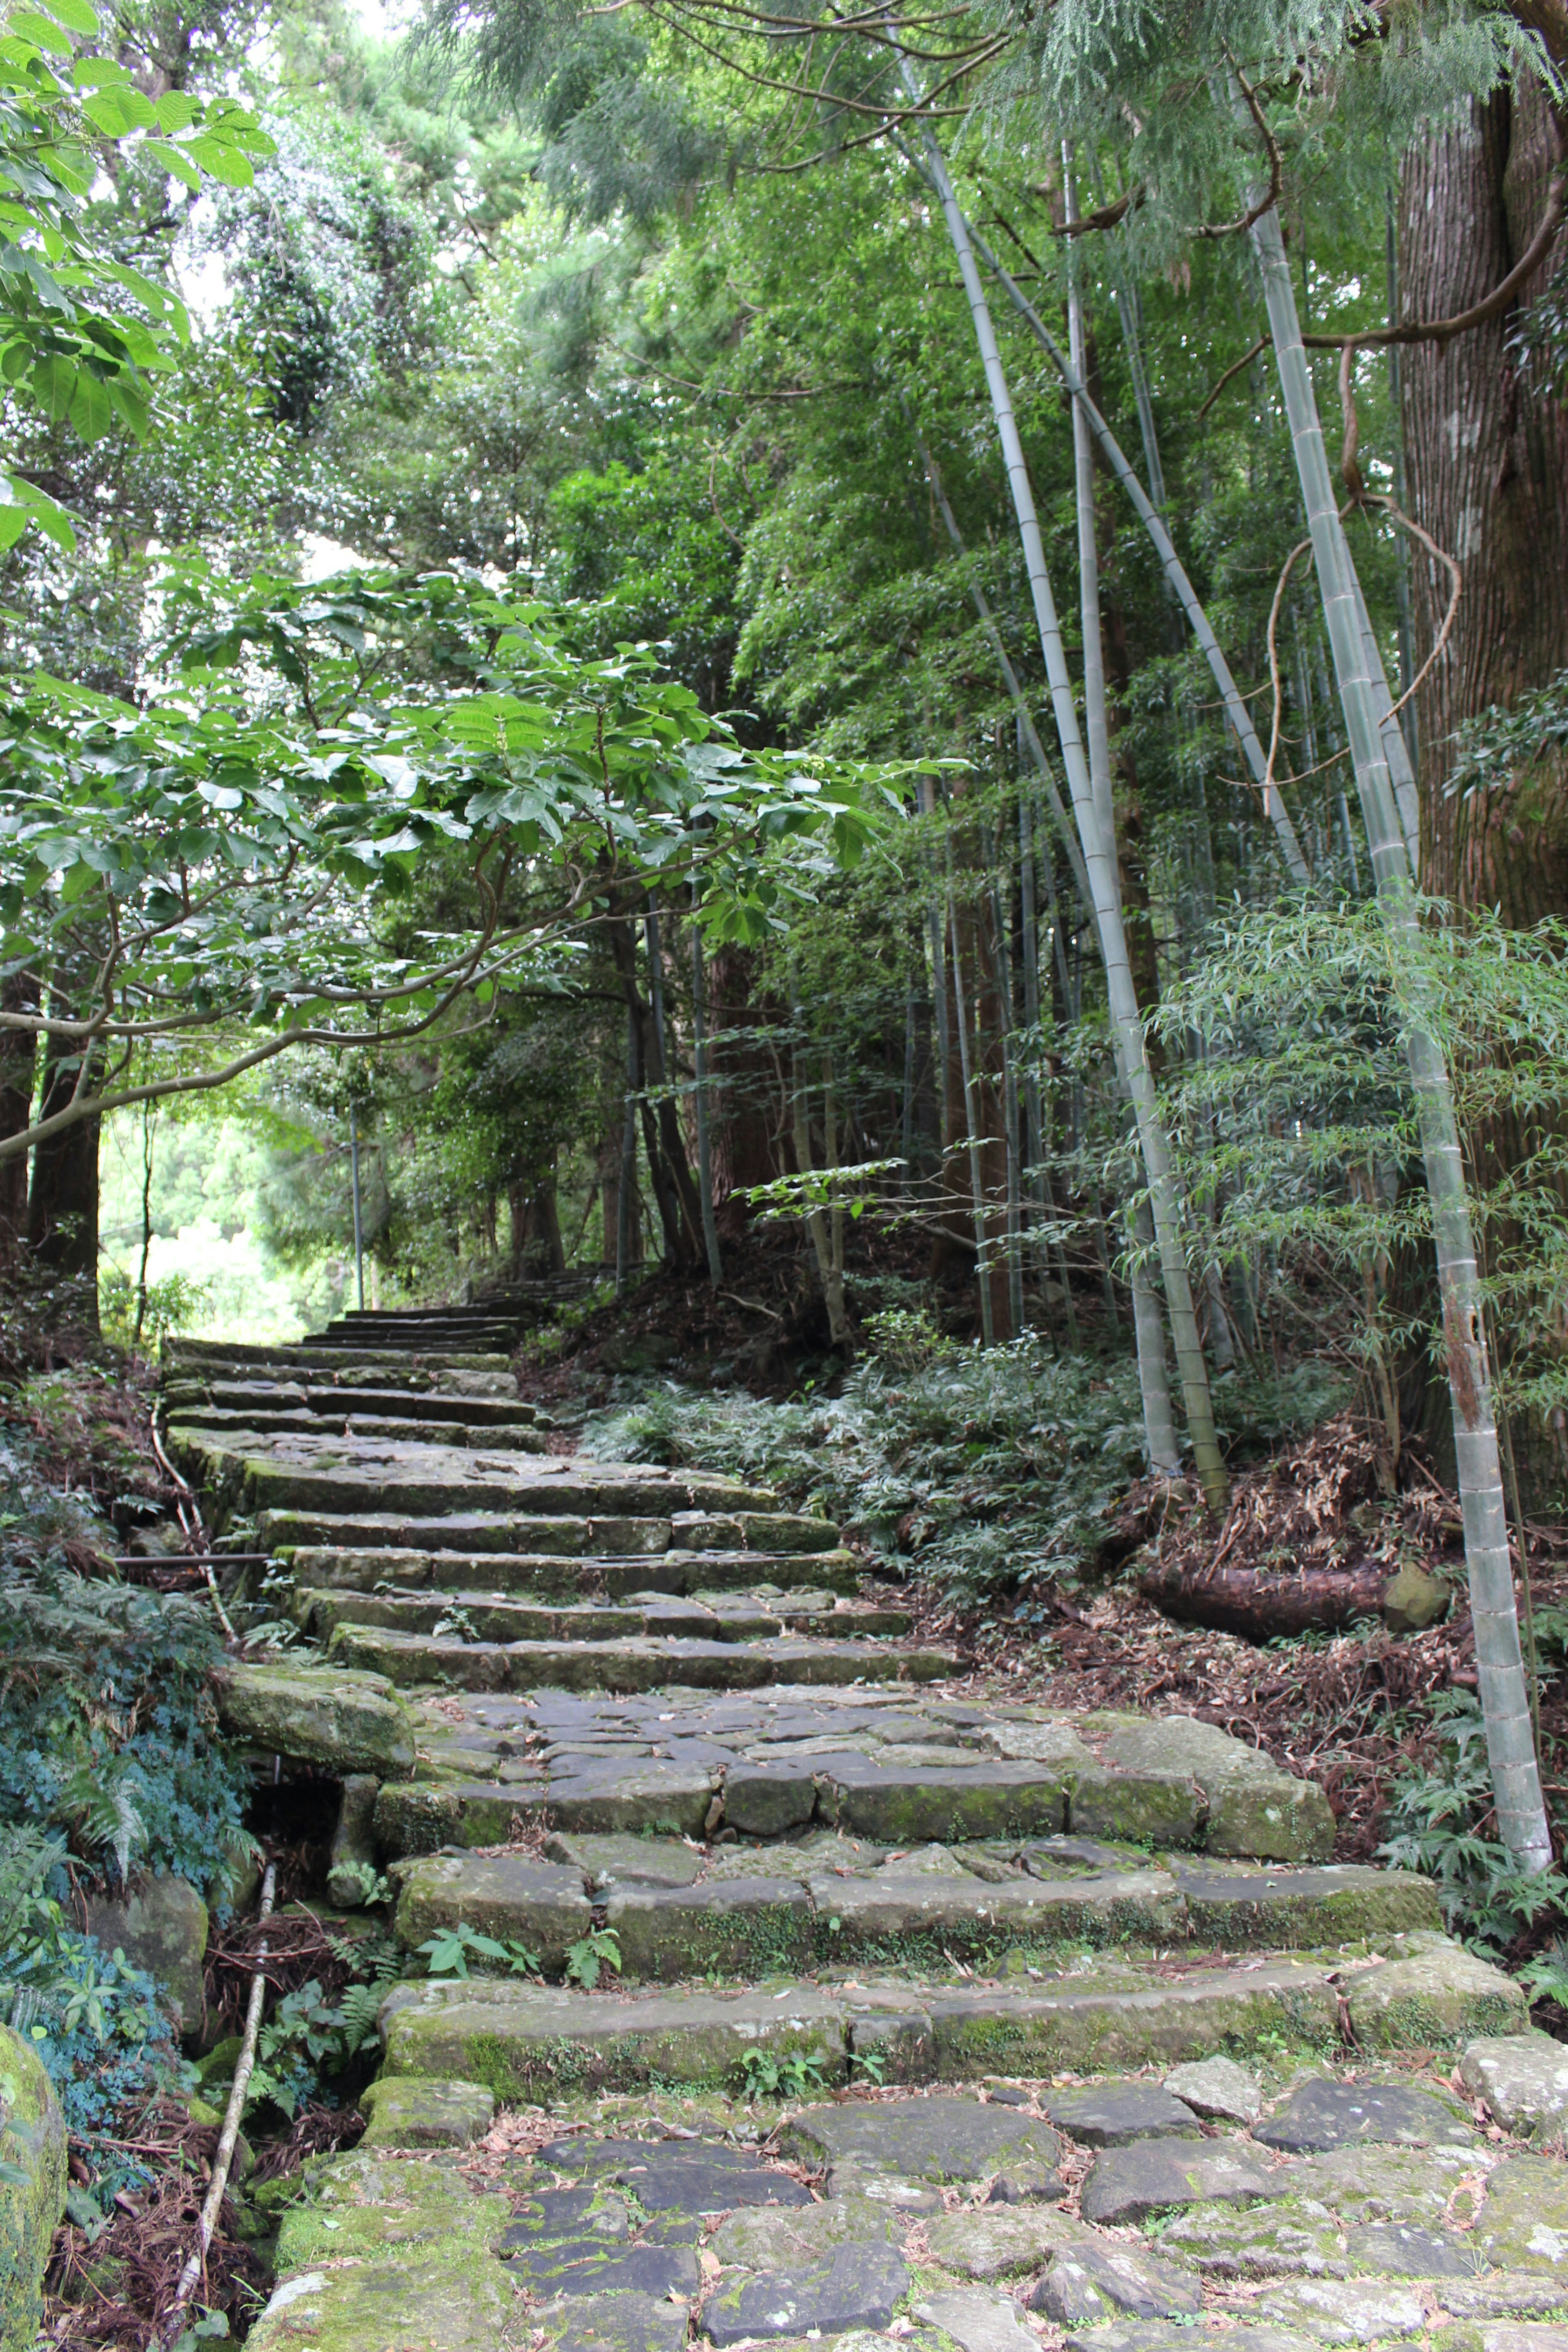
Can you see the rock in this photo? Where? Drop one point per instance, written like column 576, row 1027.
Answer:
column 587, row 2266
column 352, row 1864
column 859, row 2287
column 924, row 2139
column 782, row 2237
column 978, row 2322
column 1091, row 2284
column 1001, row 2242
column 511, row 1898
column 1297, row 2237
column 1439, row 1994
column 1522, row 2077
column 621, row 2323
column 370, row 2206
column 1115, row 2113
column 419, row 2304
column 408, row 2111
column 886, row 2189
column 1128, row 2184
column 32, row 2144
column 677, row 2176
column 625, row 1861
column 571, row 2213
column 329, row 1716
column 1322, row 2115
column 1433, row 2188
column 1345, row 2311
column 1218, row 2089
column 1252, row 1807
column 1524, row 2222
column 1412, row 1600
column 1400, row 2250
column 162, row 1927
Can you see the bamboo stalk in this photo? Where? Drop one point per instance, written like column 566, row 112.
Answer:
column 224, row 2159
column 1175, row 571
column 1099, row 863
column 1499, row 1661
column 976, row 1181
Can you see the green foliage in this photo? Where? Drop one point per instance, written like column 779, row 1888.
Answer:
column 171, row 1304
column 1438, row 1823
column 447, row 1952
column 588, row 1958
column 80, row 329
column 767, row 2075
column 308, row 2035
column 108, row 1729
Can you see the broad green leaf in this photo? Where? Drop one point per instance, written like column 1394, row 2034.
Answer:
column 29, row 26
column 223, row 161
column 77, row 16
column 176, row 162
column 91, row 411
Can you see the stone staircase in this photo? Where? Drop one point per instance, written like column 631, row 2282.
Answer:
column 731, row 1830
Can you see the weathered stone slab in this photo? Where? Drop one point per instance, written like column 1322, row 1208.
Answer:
column 978, row 2321
column 585, row 2266
column 1434, row 1995
column 1296, row 2237
column 922, row 2139
column 1233, row 1906
column 1401, row 2250
column 1218, row 2089
column 1252, row 1807
column 1001, row 2242
column 774, row 2238
column 1345, row 2311
column 1087, row 2286
column 520, row 2040
column 1116, row 2113
column 897, row 1912
column 680, row 2176
column 857, row 2286
column 1086, row 2027
column 1128, row 2184
column 1522, row 2077
column 607, row 1861
column 1321, row 2115
column 417, row 2114
column 1524, row 2223
column 913, row 1805
column 370, row 2204
column 618, row 2322
column 414, row 2304
column 318, row 1715
column 740, row 1927
column 510, row 1897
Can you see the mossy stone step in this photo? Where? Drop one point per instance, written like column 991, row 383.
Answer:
column 801, row 1906
column 523, row 2041
column 238, row 1425
column 647, row 1663
column 892, row 1764
column 308, row 1471
column 570, row 1575
column 738, row 1617
column 320, row 1362
column 337, row 1398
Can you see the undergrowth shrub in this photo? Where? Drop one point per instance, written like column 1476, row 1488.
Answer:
column 1441, row 1823
column 996, row 1467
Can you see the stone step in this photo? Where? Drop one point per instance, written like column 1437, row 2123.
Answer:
column 565, row 1518
column 900, row 1767
column 798, row 1908
column 649, row 1663
column 311, row 1473
column 727, row 1617
column 225, row 1423
column 533, row 2041
column 566, row 1576
column 438, row 1405
column 320, row 1361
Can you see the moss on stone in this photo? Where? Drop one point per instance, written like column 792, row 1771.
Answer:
column 33, row 2143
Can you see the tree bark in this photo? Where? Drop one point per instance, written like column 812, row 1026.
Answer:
column 1488, row 460
column 1261, row 1605
column 62, row 1199
column 18, row 1057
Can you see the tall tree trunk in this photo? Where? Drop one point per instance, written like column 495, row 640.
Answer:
column 18, row 1061
column 1488, row 459
column 62, row 1199
column 681, row 1246
column 1500, row 1663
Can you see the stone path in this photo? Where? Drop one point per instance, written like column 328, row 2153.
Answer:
column 909, row 2005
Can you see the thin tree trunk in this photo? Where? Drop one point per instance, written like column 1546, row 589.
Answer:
column 1148, row 1328
column 660, row 1079
column 18, row 1062
column 1175, row 571
column 832, row 1282
column 1500, row 1663
column 146, row 1222
column 626, row 1202
column 1099, row 861
column 972, row 1123
column 704, row 1138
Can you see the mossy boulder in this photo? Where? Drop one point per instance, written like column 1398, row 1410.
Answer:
column 32, row 2147
column 328, row 1715
column 1431, row 1993
column 161, row 1926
